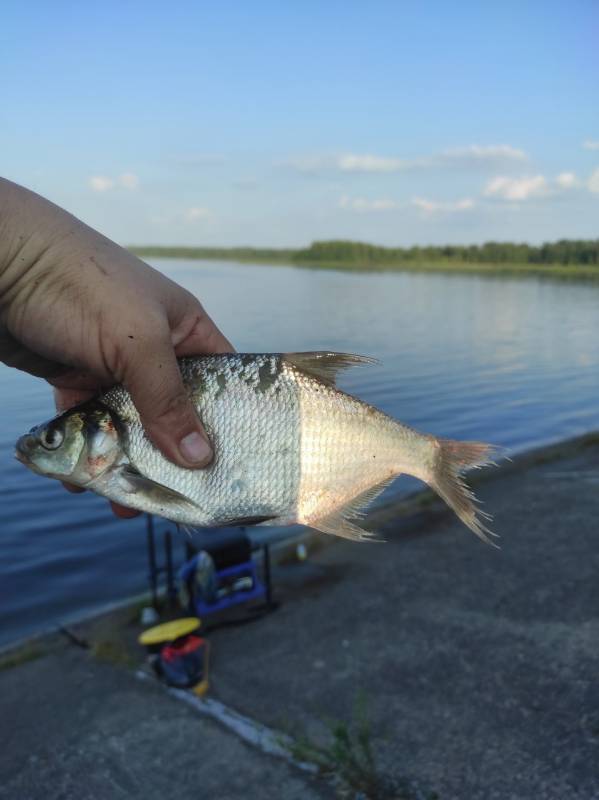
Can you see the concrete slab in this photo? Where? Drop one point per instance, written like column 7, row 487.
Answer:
column 73, row 727
column 479, row 668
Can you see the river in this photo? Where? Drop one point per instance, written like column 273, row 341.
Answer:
column 510, row 361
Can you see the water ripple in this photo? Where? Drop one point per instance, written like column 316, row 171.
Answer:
column 513, row 362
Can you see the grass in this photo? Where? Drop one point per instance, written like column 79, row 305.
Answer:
column 21, row 656
column 348, row 760
column 114, row 652
column 571, row 272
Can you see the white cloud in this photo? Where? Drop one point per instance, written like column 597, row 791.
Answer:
column 196, row 213
column 363, row 204
column 128, row 180
column 591, row 144
column 368, row 163
column 103, row 183
column 567, row 180
column 517, row 188
column 347, row 162
column 593, row 182
column 100, row 183
column 309, row 164
column 530, row 186
column 481, row 153
column 434, row 206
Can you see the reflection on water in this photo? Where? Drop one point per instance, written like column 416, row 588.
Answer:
column 511, row 361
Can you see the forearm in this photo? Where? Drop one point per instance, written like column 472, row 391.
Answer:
column 51, row 260
column 51, row 279
column 30, row 229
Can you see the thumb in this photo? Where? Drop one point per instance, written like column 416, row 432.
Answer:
column 152, row 377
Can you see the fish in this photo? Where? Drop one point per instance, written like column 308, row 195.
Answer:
column 289, row 447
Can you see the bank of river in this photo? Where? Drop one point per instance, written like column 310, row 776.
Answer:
column 290, row 258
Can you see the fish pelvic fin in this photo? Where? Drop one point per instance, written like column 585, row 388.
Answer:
column 325, row 366
column 453, row 458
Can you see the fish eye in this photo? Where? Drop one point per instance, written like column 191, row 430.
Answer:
column 51, row 438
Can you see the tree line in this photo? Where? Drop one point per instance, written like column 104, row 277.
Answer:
column 563, row 252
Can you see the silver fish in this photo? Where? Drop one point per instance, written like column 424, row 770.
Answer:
column 289, row 448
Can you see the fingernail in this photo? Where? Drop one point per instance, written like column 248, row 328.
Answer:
column 195, row 449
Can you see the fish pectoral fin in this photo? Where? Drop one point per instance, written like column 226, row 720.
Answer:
column 132, row 481
column 338, row 525
column 325, row 366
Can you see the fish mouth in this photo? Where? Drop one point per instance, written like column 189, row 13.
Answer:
column 23, row 448
column 21, row 458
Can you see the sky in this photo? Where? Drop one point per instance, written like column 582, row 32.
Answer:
column 276, row 124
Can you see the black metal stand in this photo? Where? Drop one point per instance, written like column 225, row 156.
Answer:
column 267, row 581
column 153, row 573
column 155, row 570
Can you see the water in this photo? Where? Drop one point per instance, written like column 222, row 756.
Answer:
column 510, row 361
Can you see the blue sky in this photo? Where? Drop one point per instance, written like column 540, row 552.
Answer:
column 268, row 123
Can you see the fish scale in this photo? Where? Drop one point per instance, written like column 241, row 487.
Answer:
column 289, row 447
column 344, row 438
column 254, row 432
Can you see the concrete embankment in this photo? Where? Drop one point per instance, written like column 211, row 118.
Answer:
column 478, row 668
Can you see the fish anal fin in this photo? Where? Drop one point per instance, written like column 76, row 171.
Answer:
column 325, row 366
column 338, row 525
column 357, row 507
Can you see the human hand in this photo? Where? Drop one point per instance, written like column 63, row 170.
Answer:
column 83, row 313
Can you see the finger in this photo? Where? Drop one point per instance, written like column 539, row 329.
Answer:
column 67, row 398
column 203, row 338
column 16, row 355
column 151, row 374
column 123, row 512
column 79, row 380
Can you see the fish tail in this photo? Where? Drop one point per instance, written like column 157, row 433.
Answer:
column 452, row 459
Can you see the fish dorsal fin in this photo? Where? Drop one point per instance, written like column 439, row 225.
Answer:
column 325, row 366
column 338, row 525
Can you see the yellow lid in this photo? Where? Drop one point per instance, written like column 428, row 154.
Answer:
column 169, row 631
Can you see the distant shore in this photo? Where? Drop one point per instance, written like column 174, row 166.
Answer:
column 562, row 260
